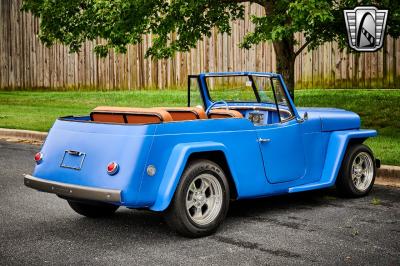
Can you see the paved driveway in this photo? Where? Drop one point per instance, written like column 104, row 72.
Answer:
column 307, row 228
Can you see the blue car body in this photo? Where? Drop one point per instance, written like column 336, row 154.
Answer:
column 302, row 154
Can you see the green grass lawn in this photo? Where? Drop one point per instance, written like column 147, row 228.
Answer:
column 379, row 109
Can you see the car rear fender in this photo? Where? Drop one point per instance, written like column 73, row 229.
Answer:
column 176, row 165
column 337, row 147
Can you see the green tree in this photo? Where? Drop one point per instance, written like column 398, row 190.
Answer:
column 123, row 22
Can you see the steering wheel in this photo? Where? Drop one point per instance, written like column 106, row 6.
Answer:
column 213, row 104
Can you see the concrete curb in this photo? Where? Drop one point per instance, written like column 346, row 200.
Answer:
column 389, row 171
column 386, row 171
column 23, row 134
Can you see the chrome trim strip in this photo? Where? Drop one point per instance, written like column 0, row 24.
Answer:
column 73, row 191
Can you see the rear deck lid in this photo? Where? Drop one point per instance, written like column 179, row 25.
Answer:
column 80, row 152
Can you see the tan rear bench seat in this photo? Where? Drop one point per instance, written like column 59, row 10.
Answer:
column 129, row 115
column 184, row 113
column 221, row 113
column 109, row 114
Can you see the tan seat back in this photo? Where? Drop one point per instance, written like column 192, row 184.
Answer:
column 184, row 113
column 222, row 113
column 129, row 115
column 107, row 117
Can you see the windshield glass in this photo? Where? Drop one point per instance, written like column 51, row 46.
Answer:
column 246, row 88
column 250, row 88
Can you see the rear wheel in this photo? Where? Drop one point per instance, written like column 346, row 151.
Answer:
column 201, row 200
column 357, row 174
column 93, row 209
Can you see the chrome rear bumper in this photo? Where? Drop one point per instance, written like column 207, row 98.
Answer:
column 73, row 191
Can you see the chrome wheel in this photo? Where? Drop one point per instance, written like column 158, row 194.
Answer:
column 204, row 199
column 362, row 171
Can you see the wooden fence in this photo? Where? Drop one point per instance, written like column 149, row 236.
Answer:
column 26, row 63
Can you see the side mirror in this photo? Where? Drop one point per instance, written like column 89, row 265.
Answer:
column 304, row 118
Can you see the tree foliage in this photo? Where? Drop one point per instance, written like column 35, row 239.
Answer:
column 319, row 21
column 123, row 22
column 177, row 25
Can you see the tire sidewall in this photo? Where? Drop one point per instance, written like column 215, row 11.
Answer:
column 352, row 153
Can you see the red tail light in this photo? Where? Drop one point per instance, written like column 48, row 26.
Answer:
column 112, row 168
column 38, row 157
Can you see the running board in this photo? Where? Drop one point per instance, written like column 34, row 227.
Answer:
column 311, row 186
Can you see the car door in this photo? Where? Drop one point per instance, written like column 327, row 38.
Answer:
column 282, row 149
column 280, row 137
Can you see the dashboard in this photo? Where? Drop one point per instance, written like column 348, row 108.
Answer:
column 257, row 117
column 264, row 116
column 261, row 115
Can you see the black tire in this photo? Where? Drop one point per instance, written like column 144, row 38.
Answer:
column 344, row 181
column 93, row 209
column 179, row 218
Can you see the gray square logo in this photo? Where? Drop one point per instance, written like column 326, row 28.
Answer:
column 365, row 28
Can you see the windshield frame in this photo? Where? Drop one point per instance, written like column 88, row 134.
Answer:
column 205, row 95
column 250, row 76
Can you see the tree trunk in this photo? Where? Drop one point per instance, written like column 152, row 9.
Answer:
column 285, row 58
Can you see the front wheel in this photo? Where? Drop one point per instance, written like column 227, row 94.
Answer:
column 93, row 209
column 201, row 200
column 357, row 174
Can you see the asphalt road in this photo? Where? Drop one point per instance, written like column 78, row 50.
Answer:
column 307, row 228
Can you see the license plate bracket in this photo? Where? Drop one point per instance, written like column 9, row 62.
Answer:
column 73, row 159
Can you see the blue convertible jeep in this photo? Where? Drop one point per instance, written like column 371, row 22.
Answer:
column 240, row 137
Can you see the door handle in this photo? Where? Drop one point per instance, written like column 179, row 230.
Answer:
column 261, row 140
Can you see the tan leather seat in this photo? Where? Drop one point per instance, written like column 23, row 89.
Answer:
column 129, row 115
column 184, row 113
column 223, row 113
column 107, row 117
